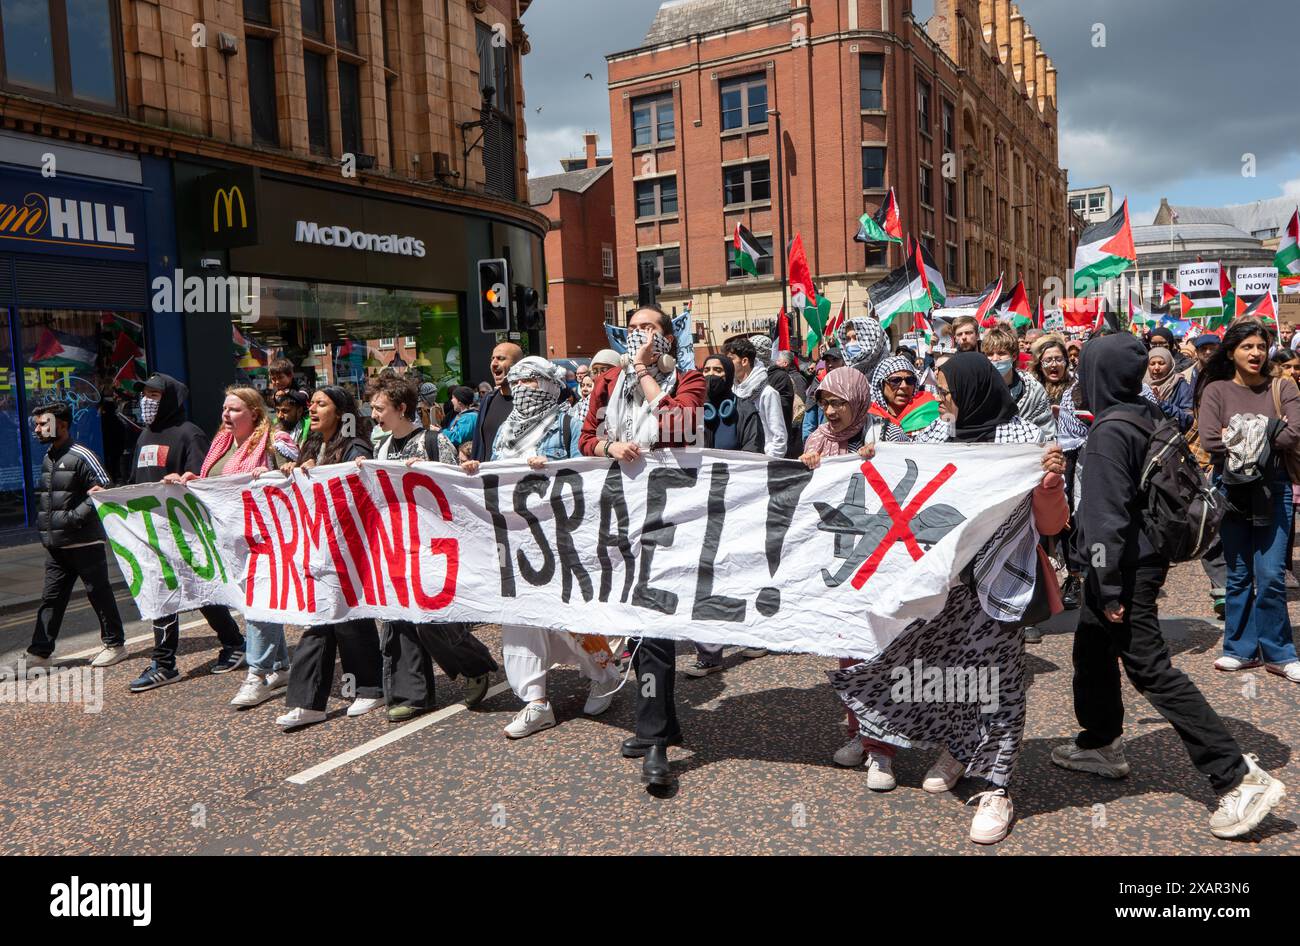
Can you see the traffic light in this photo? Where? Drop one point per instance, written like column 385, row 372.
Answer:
column 494, row 295
column 528, row 309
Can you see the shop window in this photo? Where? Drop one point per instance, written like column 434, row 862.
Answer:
column 62, row 49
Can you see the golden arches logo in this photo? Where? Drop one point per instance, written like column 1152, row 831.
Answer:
column 228, row 197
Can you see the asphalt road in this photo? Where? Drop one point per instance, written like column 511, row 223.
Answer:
column 178, row 771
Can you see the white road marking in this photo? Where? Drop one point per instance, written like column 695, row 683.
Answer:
column 338, row 761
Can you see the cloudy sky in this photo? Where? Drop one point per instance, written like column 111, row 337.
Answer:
column 1170, row 106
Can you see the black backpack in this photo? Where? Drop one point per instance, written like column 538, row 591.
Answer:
column 1182, row 509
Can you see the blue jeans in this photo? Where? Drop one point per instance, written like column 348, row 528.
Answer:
column 1256, row 622
column 265, row 647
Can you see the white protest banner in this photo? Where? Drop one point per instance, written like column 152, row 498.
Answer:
column 1253, row 282
column 1200, row 283
column 701, row 545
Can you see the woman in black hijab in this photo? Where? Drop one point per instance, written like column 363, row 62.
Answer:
column 730, row 423
column 973, row 393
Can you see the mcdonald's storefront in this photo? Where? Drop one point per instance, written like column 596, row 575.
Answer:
column 81, row 232
column 347, row 281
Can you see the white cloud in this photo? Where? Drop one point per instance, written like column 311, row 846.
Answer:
column 546, row 148
column 1291, row 188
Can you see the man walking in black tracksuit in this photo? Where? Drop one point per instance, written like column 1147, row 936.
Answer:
column 1119, row 623
column 73, row 539
column 171, row 444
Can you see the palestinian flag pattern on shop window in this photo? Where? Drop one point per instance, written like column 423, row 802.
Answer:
column 64, row 350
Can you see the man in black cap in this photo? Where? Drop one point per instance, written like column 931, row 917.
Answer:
column 171, row 444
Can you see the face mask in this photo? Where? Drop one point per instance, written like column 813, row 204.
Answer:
column 1004, row 367
column 148, row 410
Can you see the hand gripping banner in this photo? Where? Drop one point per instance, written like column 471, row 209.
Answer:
column 701, row 545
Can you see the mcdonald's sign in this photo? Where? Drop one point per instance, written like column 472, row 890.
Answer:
column 227, row 208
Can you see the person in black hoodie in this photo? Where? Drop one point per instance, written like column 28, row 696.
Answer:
column 339, row 434
column 73, row 539
column 171, row 444
column 1119, row 620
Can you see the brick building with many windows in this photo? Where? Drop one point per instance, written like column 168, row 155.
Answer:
column 957, row 115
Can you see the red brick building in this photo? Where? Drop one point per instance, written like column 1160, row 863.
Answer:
column 581, row 264
column 868, row 99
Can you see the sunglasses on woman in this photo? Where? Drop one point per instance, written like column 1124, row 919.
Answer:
column 899, row 380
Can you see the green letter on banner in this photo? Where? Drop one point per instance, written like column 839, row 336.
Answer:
column 123, row 553
column 145, row 506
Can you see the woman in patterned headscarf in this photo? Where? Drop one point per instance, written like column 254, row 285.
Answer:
column 864, row 343
column 538, row 429
column 980, row 624
column 904, row 412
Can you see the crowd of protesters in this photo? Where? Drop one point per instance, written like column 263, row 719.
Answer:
column 1075, row 543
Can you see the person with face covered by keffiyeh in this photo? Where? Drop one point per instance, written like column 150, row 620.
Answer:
column 540, row 428
column 648, row 404
column 864, row 343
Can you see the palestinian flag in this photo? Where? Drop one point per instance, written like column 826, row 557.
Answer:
column 802, row 293
column 61, row 350
column 987, row 300
column 1287, row 259
column 1226, row 292
column 1016, row 305
column 884, row 226
column 1105, row 250
column 920, row 323
column 902, row 291
column 920, row 414
column 746, row 252
column 782, row 332
column 1167, row 294
column 1082, row 313
column 1262, row 309
column 1201, row 286
column 938, row 291
column 1139, row 317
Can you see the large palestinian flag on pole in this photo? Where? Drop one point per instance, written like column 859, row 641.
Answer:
column 799, row 276
column 1105, row 250
column 901, row 292
column 1287, row 259
column 938, row 291
column 884, row 226
column 746, row 251
column 1015, row 306
column 985, row 312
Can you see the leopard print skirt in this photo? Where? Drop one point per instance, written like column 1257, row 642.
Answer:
column 956, row 681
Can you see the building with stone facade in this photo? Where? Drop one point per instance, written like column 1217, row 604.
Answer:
column 958, row 115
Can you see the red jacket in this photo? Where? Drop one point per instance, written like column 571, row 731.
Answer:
column 685, row 402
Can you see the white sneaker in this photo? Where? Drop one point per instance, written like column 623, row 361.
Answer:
column 1108, row 761
column 880, row 773
column 251, row 691
column 599, row 697
column 298, row 716
column 278, row 679
column 1243, row 808
column 532, row 718
column 992, row 819
column 851, row 754
column 1231, row 664
column 752, row 652
column 944, row 774
column 364, row 704
column 1290, row 671
column 114, row 654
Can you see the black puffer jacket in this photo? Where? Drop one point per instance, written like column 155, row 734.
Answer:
column 65, row 513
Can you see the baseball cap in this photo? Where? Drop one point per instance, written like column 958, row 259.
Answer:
column 155, row 383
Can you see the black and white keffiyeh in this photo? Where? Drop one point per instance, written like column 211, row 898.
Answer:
column 533, row 410
column 869, row 346
column 1018, row 430
column 1006, row 567
column 629, row 417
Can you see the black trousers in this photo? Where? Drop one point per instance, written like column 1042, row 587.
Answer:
column 1136, row 642
column 311, row 675
column 410, row 651
column 62, row 569
column 167, row 633
column 655, row 667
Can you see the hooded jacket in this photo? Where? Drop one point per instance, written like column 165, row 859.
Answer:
column 65, row 513
column 1109, row 540
column 171, row 444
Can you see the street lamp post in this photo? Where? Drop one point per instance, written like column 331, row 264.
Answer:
column 780, row 214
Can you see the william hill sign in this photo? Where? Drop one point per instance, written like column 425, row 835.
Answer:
column 70, row 217
column 228, row 208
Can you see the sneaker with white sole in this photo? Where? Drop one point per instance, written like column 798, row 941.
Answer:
column 599, row 697
column 700, row 669
column 880, row 773
column 993, row 817
column 851, row 754
column 278, row 679
column 1107, row 761
column 300, row 716
column 1289, row 671
column 944, row 774
column 253, row 692
column 229, row 658
column 532, row 718
column 112, row 654
column 1232, row 664
column 155, row 677
column 364, row 704
column 752, row 652
column 1242, row 809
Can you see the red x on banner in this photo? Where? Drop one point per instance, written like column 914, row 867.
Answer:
column 901, row 529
